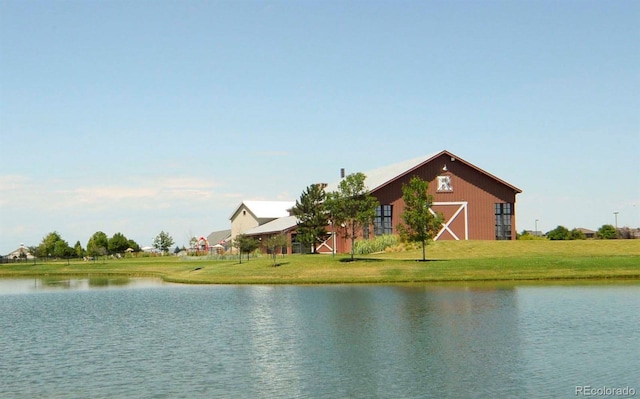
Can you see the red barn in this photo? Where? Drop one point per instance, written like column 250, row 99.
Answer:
column 476, row 205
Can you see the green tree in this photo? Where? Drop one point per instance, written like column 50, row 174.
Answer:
column 98, row 244
column 525, row 235
column 48, row 244
column 312, row 216
column 607, row 232
column 559, row 233
column 577, row 235
column 245, row 244
column 62, row 249
column 274, row 244
column 193, row 243
column 133, row 245
column 420, row 223
column 118, row 243
column 352, row 206
column 163, row 242
column 78, row 250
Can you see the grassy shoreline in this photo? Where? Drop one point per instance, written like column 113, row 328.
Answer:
column 462, row 261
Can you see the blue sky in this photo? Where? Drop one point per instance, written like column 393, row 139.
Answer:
column 142, row 116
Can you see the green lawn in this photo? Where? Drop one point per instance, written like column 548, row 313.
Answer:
column 448, row 261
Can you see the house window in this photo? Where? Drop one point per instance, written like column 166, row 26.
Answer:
column 382, row 221
column 444, row 183
column 503, row 212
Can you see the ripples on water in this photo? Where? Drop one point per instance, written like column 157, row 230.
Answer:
column 139, row 341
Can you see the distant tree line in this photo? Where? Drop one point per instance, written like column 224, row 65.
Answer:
column 605, row 232
column 99, row 244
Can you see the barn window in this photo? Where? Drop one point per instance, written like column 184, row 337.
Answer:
column 503, row 212
column 444, row 183
column 382, row 221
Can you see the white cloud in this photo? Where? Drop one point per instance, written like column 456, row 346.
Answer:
column 22, row 192
column 139, row 208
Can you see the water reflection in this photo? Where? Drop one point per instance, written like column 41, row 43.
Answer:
column 364, row 341
column 393, row 336
column 12, row 286
column 315, row 341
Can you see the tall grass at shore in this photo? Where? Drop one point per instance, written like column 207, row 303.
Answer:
column 448, row 261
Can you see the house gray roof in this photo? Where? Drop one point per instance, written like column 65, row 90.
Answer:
column 266, row 209
column 275, row 226
column 377, row 178
column 216, row 237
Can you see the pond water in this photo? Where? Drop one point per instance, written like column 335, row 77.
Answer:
column 140, row 338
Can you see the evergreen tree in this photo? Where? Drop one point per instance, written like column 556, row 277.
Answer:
column 312, row 217
column 78, row 250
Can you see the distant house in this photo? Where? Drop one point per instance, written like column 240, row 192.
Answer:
column 251, row 214
column 222, row 237
column 587, row 233
column 533, row 233
column 476, row 205
column 21, row 252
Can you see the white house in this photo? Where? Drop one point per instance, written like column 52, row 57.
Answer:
column 251, row 214
column 21, row 253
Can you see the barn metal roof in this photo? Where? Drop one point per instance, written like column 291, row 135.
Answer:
column 275, row 226
column 380, row 176
column 377, row 178
column 216, row 237
column 266, row 209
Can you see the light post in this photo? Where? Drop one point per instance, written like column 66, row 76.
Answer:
column 536, row 231
column 616, row 215
column 333, row 239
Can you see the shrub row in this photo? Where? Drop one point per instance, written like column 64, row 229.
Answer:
column 378, row 244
